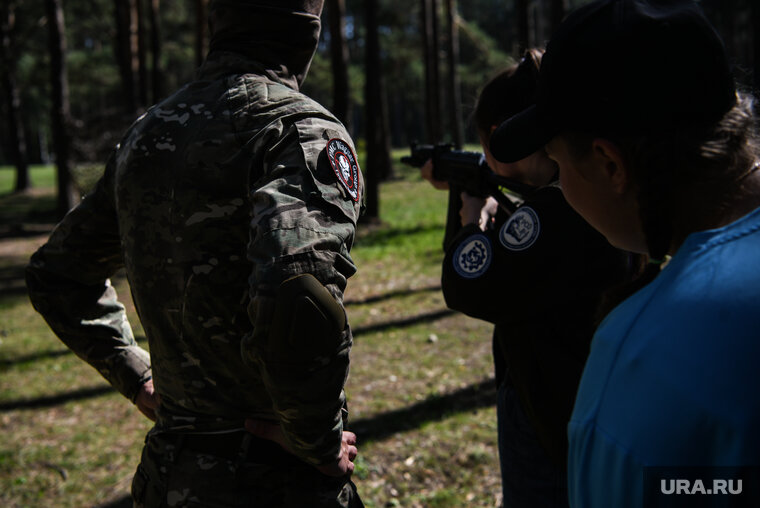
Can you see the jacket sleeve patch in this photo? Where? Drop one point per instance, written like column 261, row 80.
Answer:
column 345, row 166
column 521, row 230
column 473, row 256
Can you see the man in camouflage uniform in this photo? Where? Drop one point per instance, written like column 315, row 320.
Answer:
column 232, row 205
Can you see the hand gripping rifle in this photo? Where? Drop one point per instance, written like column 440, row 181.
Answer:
column 467, row 171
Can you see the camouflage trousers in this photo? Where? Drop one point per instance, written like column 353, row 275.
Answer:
column 196, row 471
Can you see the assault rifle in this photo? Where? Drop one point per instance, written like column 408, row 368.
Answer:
column 468, row 171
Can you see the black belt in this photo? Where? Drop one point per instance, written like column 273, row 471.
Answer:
column 235, row 446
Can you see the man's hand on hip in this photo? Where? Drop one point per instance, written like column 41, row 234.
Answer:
column 343, row 465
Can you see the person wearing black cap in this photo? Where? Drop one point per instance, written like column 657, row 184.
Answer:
column 232, row 206
column 538, row 274
column 659, row 151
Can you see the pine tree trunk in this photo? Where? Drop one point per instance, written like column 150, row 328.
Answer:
column 339, row 61
column 455, row 94
column 523, row 36
column 142, row 63
column 155, row 50
column 134, row 51
column 123, row 51
column 201, row 31
column 425, row 32
column 429, row 15
column 60, row 115
column 13, row 98
column 436, row 68
column 378, row 153
column 756, row 50
column 558, row 13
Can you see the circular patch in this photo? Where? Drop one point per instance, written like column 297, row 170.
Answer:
column 473, row 256
column 521, row 230
column 344, row 164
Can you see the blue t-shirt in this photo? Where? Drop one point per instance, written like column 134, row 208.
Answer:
column 673, row 377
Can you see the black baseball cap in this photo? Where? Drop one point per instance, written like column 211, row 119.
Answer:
column 623, row 67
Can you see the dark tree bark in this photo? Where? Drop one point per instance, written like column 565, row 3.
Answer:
column 155, row 50
column 134, row 51
column 12, row 97
column 436, row 68
column 429, row 15
column 455, row 94
column 523, row 25
column 425, row 35
column 557, row 13
column 142, row 64
column 378, row 152
column 756, row 50
column 60, row 115
column 339, row 60
column 201, row 31
column 123, row 49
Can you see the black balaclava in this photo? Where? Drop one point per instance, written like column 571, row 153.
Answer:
column 281, row 35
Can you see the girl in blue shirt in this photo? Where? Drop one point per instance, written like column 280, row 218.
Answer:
column 659, row 152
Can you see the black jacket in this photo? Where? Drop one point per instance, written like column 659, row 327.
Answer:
column 538, row 276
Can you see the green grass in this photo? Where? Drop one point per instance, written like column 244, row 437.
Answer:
column 419, row 393
column 39, row 176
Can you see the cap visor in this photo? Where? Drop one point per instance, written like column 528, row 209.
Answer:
column 520, row 136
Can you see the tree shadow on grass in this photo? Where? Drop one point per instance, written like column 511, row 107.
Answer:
column 438, row 407
column 27, row 214
column 13, row 277
column 22, row 216
column 34, row 357
column 12, row 281
column 392, row 294
column 56, row 400
column 44, row 355
column 424, row 317
column 384, row 236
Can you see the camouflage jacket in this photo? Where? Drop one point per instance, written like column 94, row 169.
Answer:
column 212, row 199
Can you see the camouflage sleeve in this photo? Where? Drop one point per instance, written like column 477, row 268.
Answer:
column 304, row 221
column 68, row 283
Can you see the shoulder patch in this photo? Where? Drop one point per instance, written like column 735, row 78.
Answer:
column 343, row 162
column 521, row 230
column 473, row 256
